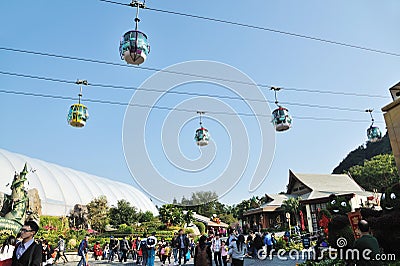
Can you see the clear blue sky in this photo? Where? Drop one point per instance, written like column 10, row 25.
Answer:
column 91, row 29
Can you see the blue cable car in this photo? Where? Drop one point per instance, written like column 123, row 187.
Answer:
column 373, row 133
column 281, row 119
column 280, row 116
column 134, row 47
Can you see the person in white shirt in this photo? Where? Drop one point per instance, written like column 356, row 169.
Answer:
column 60, row 250
column 7, row 249
column 216, row 249
column 237, row 250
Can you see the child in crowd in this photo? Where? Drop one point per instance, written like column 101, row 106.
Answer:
column 139, row 256
column 168, row 252
column 224, row 253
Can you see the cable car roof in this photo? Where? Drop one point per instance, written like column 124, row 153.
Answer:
column 281, row 108
column 135, row 31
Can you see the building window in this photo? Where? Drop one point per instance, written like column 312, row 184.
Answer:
column 314, row 209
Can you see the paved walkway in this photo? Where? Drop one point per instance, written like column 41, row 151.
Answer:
column 248, row 262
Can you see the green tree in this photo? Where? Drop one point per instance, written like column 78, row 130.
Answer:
column 379, row 172
column 233, row 210
column 124, row 213
column 364, row 152
column 98, row 213
column 145, row 216
column 188, row 217
column 292, row 206
column 171, row 214
column 242, row 207
column 227, row 218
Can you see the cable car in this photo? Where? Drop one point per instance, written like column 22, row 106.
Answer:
column 373, row 133
column 280, row 116
column 201, row 136
column 134, row 46
column 281, row 119
column 78, row 113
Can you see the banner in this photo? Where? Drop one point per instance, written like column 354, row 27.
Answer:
column 354, row 218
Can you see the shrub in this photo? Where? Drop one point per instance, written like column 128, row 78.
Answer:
column 72, row 244
column 201, row 226
column 125, row 229
column 189, row 231
column 280, row 244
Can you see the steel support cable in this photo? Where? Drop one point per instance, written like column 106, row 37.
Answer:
column 265, row 29
column 193, row 75
column 182, row 93
column 41, row 95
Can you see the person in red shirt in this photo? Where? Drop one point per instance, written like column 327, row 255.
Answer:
column 97, row 251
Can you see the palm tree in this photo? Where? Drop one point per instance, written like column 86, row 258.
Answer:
column 292, row 206
column 188, row 217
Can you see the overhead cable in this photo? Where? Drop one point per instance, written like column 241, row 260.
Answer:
column 192, row 74
column 265, row 29
column 183, row 93
column 41, row 95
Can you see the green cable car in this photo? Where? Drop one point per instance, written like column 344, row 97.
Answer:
column 134, row 46
column 281, row 119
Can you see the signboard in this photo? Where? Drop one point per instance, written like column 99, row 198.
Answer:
column 306, row 241
column 354, row 218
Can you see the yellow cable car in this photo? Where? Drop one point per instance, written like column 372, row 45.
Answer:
column 78, row 113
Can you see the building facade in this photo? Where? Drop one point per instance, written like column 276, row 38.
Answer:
column 313, row 191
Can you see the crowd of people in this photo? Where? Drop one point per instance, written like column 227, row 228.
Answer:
column 210, row 249
column 144, row 250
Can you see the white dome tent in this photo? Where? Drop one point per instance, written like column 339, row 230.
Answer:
column 60, row 188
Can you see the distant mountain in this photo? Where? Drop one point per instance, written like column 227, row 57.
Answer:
column 364, row 152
